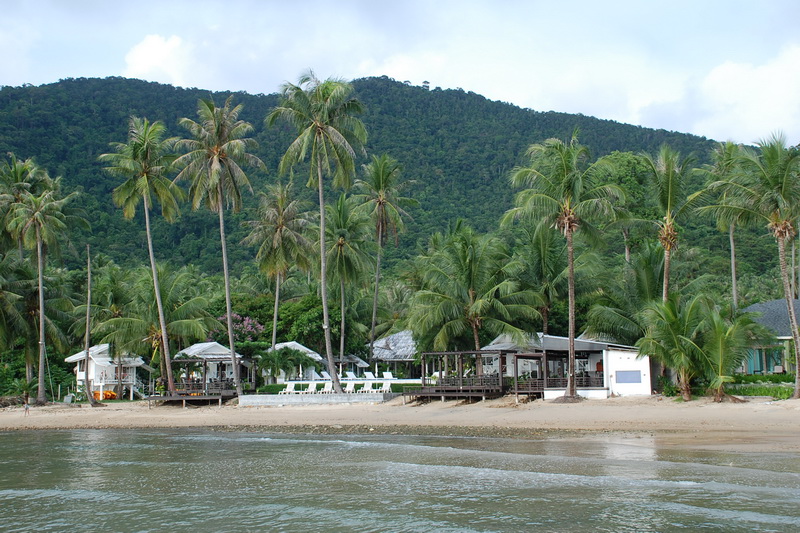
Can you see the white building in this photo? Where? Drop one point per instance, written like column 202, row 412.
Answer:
column 105, row 372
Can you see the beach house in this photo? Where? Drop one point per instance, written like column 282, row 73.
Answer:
column 106, row 372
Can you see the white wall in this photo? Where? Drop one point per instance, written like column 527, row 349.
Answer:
column 621, row 365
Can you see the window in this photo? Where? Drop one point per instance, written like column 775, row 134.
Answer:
column 629, row 376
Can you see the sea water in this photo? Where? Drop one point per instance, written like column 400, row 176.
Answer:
column 205, row 480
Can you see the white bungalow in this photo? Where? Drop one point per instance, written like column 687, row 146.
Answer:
column 104, row 371
column 208, row 365
column 398, row 349
column 602, row 369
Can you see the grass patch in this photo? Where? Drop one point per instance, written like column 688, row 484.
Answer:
column 777, row 391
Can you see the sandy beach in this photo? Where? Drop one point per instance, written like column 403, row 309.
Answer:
column 758, row 425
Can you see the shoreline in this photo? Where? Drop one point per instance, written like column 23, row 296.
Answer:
column 759, row 425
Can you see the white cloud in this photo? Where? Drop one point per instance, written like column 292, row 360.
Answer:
column 156, row 58
column 742, row 98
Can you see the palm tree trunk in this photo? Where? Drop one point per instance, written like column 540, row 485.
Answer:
column 323, row 280
column 686, row 386
column 375, row 295
column 275, row 310
column 41, row 394
column 228, row 308
column 545, row 312
column 162, row 322
column 571, row 392
column 478, row 358
column 792, row 315
column 667, row 261
column 625, row 239
column 341, row 326
column 87, row 383
column 734, row 281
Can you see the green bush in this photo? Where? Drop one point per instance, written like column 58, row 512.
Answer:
column 778, row 392
column 768, row 378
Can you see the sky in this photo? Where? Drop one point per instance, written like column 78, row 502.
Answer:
column 723, row 69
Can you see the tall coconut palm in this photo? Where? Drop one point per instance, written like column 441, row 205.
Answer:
column 768, row 190
column 16, row 178
column 670, row 175
column 466, row 292
column 563, row 188
column 279, row 233
column 38, row 221
column 347, row 259
column 380, row 195
column 144, row 162
column 213, row 162
column 329, row 135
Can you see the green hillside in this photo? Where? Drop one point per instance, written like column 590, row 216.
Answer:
column 458, row 146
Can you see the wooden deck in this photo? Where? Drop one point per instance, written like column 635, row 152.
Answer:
column 483, row 387
column 183, row 398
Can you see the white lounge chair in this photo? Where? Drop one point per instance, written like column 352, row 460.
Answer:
column 350, row 386
column 369, row 376
column 350, row 375
column 289, row 388
column 325, row 375
column 386, row 388
column 312, row 388
column 388, row 375
column 327, row 388
column 367, row 388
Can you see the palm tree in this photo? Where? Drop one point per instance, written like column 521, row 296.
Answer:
column 381, row 196
column 467, row 291
column 213, row 163
column 562, row 188
column 16, row 178
column 674, row 336
column 670, row 174
column 727, row 160
column 137, row 330
column 726, row 342
column 329, row 135
column 144, row 162
column 12, row 285
column 543, row 266
column 279, row 233
column 347, row 261
column 768, row 190
column 39, row 220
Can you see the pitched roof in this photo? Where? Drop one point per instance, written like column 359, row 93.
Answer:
column 99, row 353
column 294, row 345
column 207, row 350
column 551, row 343
column 774, row 315
column 397, row 347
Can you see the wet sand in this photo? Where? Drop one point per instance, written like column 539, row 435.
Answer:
column 758, row 425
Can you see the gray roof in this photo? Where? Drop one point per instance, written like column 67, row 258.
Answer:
column 551, row 343
column 774, row 315
column 397, row 347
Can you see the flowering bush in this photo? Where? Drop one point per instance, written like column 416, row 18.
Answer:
column 245, row 329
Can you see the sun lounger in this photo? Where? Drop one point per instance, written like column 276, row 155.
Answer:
column 350, row 375
column 387, row 387
column 312, row 388
column 350, row 387
column 289, row 388
column 367, row 388
column 388, row 375
column 325, row 375
column 315, row 376
column 369, row 376
column 327, row 388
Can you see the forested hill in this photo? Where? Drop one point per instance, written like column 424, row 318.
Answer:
column 458, row 146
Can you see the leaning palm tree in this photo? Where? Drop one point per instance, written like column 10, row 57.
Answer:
column 768, row 190
column 562, row 188
column 144, row 162
column 347, row 259
column 380, row 195
column 216, row 153
column 467, row 292
column 670, row 174
column 279, row 233
column 39, row 221
column 328, row 134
